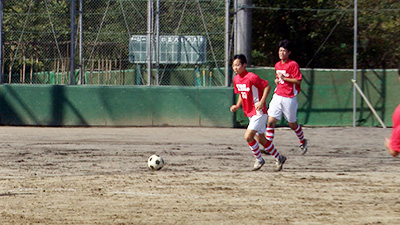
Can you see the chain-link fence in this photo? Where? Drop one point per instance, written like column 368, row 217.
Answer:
column 111, row 47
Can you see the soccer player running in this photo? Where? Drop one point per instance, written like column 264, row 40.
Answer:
column 393, row 144
column 253, row 92
column 284, row 100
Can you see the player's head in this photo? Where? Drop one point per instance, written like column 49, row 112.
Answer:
column 285, row 49
column 241, row 57
column 286, row 44
column 239, row 63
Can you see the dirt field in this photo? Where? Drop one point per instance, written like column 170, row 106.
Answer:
column 100, row 176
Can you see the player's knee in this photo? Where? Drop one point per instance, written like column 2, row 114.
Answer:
column 248, row 137
column 394, row 153
column 293, row 126
column 271, row 123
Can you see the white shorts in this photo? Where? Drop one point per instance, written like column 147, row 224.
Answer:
column 285, row 105
column 258, row 123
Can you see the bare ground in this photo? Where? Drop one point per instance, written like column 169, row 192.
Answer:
column 100, row 176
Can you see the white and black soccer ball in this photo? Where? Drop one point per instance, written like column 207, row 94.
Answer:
column 155, row 162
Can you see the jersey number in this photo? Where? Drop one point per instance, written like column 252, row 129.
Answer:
column 244, row 95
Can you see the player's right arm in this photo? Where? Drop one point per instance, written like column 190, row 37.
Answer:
column 261, row 103
column 290, row 80
column 237, row 105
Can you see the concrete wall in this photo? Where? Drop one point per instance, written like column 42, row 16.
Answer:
column 326, row 97
column 55, row 105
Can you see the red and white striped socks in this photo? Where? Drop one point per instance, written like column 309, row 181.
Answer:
column 299, row 133
column 270, row 133
column 270, row 147
column 255, row 149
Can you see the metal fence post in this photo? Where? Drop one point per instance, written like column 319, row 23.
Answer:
column 227, row 74
column 1, row 42
column 149, row 37
column 72, row 45
column 81, row 77
column 355, row 64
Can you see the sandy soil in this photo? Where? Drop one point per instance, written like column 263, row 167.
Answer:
column 100, row 176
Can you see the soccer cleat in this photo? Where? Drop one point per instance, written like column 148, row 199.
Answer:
column 303, row 147
column 258, row 164
column 279, row 162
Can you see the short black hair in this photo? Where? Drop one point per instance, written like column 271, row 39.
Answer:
column 241, row 57
column 286, row 44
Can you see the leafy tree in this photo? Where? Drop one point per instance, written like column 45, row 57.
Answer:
column 323, row 32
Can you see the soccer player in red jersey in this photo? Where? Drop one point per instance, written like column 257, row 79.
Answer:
column 393, row 144
column 253, row 92
column 284, row 100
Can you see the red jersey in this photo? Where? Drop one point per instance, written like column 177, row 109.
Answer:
column 395, row 138
column 289, row 69
column 250, row 87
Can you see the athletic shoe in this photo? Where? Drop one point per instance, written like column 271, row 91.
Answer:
column 258, row 164
column 303, row 147
column 279, row 162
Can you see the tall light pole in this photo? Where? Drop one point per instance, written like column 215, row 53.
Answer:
column 243, row 33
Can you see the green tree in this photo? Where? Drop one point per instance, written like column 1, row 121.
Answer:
column 323, row 32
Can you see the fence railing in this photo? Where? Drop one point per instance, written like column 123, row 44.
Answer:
column 186, row 37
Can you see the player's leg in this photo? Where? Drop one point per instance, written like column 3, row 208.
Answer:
column 253, row 144
column 270, row 131
column 270, row 148
column 254, row 125
column 297, row 130
column 300, row 135
column 274, row 114
column 289, row 107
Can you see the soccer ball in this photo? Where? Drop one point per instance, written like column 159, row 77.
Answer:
column 155, row 162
